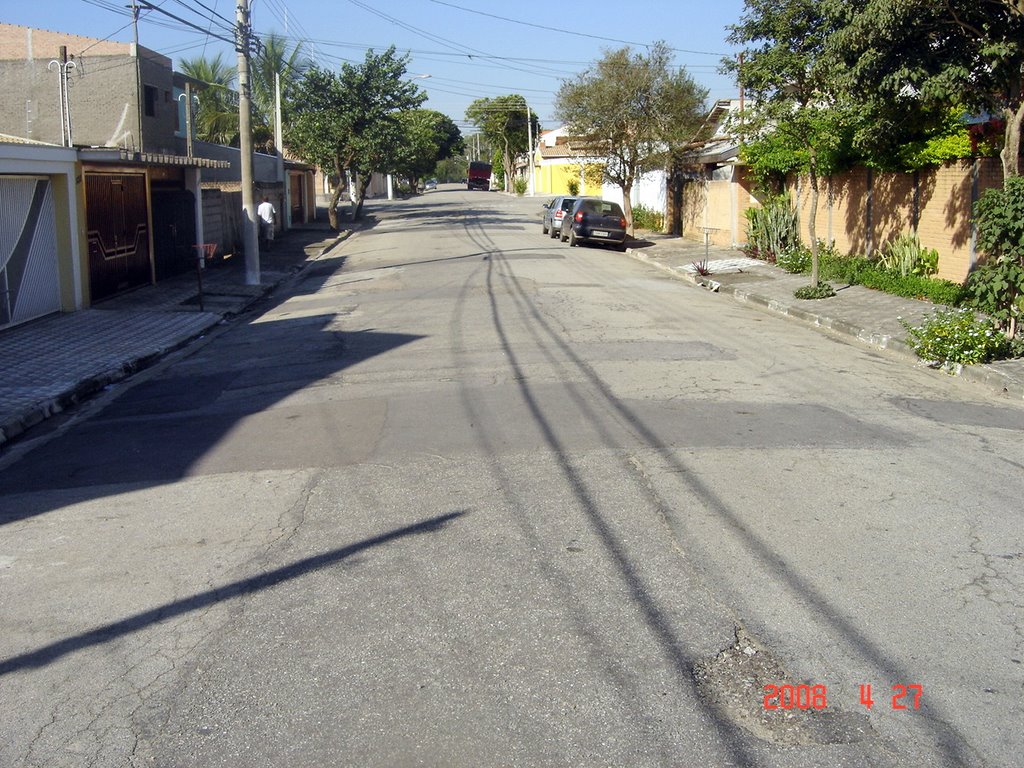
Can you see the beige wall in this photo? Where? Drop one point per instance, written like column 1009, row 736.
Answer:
column 719, row 207
column 861, row 210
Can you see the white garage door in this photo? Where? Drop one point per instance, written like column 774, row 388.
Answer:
column 29, row 280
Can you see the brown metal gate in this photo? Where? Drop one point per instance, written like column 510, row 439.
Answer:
column 117, row 218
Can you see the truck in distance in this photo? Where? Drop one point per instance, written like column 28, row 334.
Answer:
column 479, row 176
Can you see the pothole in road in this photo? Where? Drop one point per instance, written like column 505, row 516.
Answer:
column 733, row 683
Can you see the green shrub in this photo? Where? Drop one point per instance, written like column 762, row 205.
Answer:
column 955, row 336
column 819, row 291
column 795, row 259
column 911, row 286
column 772, row 228
column 573, row 186
column 648, row 218
column 906, row 256
column 997, row 288
column 520, row 185
column 856, row 270
column 842, row 269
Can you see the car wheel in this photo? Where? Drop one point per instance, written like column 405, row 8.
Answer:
column 544, row 227
column 573, row 242
column 554, row 233
column 563, row 237
column 621, row 247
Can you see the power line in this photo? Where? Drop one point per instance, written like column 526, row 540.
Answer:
column 568, row 32
column 208, row 9
column 458, row 47
column 150, row 6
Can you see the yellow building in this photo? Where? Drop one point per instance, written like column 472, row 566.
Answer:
column 555, row 164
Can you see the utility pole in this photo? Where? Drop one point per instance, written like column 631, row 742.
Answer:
column 250, row 234
column 138, row 75
column 529, row 148
column 279, row 143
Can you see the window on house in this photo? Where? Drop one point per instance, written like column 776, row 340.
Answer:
column 152, row 95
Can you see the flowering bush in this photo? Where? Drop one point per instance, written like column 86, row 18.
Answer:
column 795, row 259
column 955, row 336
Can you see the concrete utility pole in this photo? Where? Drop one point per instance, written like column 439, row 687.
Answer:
column 139, row 100
column 279, row 143
column 250, row 234
column 529, row 148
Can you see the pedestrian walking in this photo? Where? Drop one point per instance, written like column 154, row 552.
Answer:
column 266, row 213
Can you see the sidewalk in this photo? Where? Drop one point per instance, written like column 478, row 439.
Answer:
column 872, row 317
column 50, row 364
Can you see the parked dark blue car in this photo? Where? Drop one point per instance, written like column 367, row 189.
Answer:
column 594, row 220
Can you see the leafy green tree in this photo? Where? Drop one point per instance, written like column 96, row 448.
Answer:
column 452, row 169
column 504, row 125
column 217, row 116
column 997, row 286
column 911, row 60
column 348, row 122
column 633, row 109
column 796, row 122
column 428, row 138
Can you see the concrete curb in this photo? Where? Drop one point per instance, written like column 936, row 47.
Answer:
column 985, row 375
column 39, row 412
column 89, row 386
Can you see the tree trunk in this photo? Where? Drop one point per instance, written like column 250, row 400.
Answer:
column 812, row 218
column 674, row 220
column 507, row 161
column 627, row 205
column 332, row 208
column 364, row 182
column 1011, row 142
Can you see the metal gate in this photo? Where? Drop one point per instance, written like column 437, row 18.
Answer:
column 174, row 232
column 29, row 277
column 117, row 218
column 297, row 198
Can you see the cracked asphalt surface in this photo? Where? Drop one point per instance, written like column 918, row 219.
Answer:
column 462, row 495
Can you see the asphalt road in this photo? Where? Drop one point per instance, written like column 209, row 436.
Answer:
column 464, row 496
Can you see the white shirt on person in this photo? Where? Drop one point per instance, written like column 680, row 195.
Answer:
column 266, row 211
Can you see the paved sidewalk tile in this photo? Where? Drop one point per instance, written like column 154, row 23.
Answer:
column 52, row 363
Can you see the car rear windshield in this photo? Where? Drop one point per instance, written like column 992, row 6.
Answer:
column 567, row 203
column 603, row 208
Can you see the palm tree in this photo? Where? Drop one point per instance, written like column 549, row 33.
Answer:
column 274, row 58
column 217, row 119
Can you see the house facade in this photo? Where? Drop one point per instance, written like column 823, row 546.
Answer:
column 557, row 162
column 41, row 250
column 117, row 94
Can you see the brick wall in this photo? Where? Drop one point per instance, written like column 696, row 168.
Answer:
column 861, row 210
column 102, row 90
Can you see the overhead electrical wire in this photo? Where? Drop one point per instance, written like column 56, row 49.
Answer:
column 569, row 32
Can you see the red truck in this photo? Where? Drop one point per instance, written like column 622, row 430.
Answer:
column 479, row 176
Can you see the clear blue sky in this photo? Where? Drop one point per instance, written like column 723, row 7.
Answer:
column 468, row 54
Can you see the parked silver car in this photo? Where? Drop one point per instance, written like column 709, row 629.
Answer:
column 554, row 210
